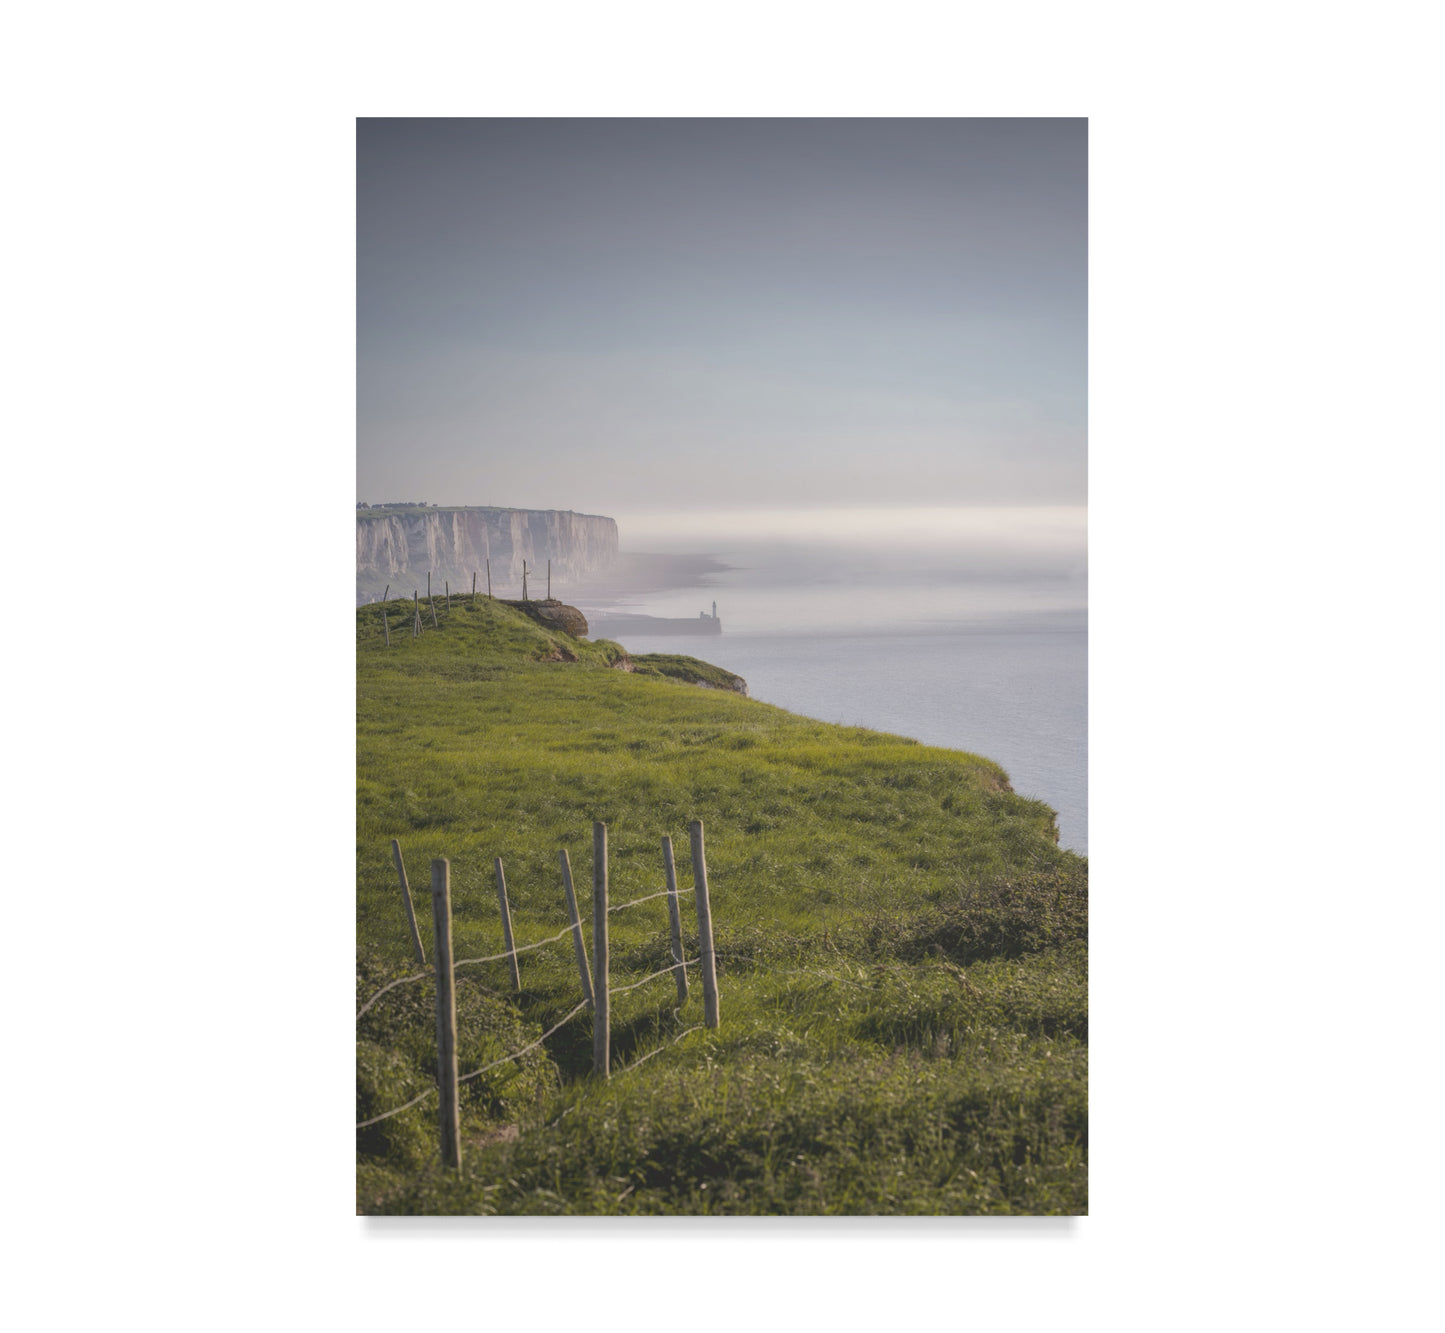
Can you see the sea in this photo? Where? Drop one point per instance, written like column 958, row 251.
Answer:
column 975, row 646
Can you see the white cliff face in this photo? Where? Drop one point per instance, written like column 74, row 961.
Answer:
column 401, row 547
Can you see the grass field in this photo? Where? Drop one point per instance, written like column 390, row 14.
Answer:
column 901, row 946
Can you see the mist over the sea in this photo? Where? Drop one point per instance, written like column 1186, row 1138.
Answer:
column 963, row 628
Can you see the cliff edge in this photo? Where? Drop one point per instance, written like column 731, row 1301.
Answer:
column 553, row 614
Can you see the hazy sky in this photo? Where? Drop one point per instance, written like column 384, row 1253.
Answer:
column 634, row 316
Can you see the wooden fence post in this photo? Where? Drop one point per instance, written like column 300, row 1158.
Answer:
column 388, row 589
column 415, row 615
column 675, row 919
column 428, row 585
column 524, row 580
column 449, row 596
column 601, row 1013
column 704, row 925
column 489, row 577
column 406, row 899
column 549, row 580
column 385, row 628
column 578, row 947
column 441, row 908
column 507, row 925
column 431, row 602
column 474, row 590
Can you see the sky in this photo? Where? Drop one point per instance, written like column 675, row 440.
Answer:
column 662, row 320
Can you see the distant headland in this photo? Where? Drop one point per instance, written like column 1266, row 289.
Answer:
column 402, row 543
column 617, row 624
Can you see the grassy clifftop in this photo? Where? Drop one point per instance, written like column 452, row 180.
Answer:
column 901, row 946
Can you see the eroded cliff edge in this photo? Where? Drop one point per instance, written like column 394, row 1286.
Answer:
column 401, row 545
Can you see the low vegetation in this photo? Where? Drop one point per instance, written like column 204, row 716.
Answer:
column 901, row 946
column 689, row 669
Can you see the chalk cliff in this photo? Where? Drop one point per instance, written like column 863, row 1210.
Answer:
column 400, row 545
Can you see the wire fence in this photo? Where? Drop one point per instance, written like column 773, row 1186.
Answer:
column 671, row 968
column 476, row 1073
column 597, row 991
column 525, row 948
column 392, row 985
column 621, row 907
column 642, row 1060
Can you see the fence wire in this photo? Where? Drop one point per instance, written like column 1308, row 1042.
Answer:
column 520, row 949
column 662, row 894
column 415, row 976
column 469, row 883
column 421, row 1097
column 430, row 1092
column 627, row 1069
column 515, row 1054
column 671, row 967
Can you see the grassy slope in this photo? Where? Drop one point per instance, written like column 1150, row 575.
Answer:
column 901, row 951
column 688, row 669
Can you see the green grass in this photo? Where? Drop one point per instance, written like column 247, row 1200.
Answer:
column 901, row 946
column 688, row 669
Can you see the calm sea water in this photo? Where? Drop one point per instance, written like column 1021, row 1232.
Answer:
column 995, row 668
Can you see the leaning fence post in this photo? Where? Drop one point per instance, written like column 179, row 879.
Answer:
column 507, row 925
column 578, row 947
column 601, row 1014
column 489, row 577
column 385, row 628
column 406, row 899
column 441, row 908
column 432, row 602
column 675, row 918
column 415, row 615
column 704, row 925
column 449, row 596
column 388, row 589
